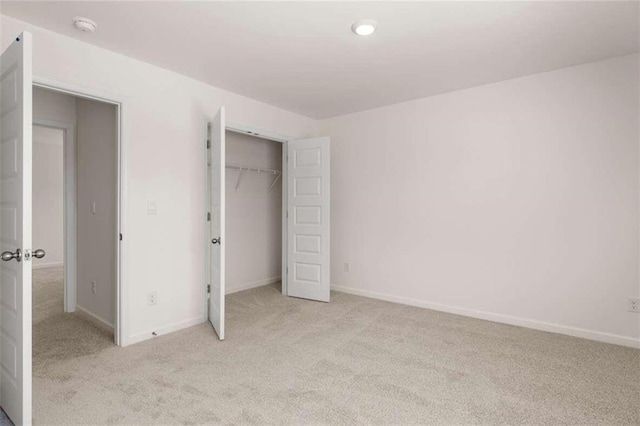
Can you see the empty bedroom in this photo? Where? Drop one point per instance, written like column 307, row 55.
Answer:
column 319, row 213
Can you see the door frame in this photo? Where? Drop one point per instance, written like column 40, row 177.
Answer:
column 275, row 137
column 121, row 330
column 70, row 206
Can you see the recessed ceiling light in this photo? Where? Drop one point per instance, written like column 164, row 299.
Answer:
column 364, row 27
column 85, row 25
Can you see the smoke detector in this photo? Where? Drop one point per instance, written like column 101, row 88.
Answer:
column 85, row 25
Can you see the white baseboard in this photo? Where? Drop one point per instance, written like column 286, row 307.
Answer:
column 47, row 265
column 140, row 337
column 253, row 284
column 505, row 319
column 95, row 319
column 136, row 338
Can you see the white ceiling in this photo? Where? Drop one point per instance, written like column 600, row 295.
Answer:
column 302, row 56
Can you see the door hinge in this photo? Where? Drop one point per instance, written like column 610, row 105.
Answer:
column 208, row 216
column 120, row 237
column 208, row 288
column 208, row 144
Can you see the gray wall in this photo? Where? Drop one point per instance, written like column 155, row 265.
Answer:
column 50, row 105
column 96, row 153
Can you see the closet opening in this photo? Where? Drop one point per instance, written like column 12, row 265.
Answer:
column 253, row 171
column 267, row 218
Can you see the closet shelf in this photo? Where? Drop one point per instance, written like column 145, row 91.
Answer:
column 242, row 169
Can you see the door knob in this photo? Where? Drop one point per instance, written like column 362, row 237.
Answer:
column 38, row 254
column 216, row 240
column 8, row 255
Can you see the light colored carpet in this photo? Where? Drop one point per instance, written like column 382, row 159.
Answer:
column 48, row 293
column 4, row 419
column 352, row 361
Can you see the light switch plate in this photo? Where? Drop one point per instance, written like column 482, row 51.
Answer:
column 152, row 207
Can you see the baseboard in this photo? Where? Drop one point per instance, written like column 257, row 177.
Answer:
column 254, row 284
column 95, row 319
column 140, row 337
column 505, row 319
column 47, row 265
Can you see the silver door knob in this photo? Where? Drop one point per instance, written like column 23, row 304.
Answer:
column 216, row 241
column 38, row 254
column 8, row 255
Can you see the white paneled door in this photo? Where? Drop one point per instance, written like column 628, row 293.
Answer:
column 216, row 221
column 308, row 209
column 15, row 230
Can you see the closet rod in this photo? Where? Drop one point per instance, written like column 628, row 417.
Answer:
column 242, row 169
column 251, row 169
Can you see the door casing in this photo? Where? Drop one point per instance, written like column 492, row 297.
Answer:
column 121, row 330
column 259, row 133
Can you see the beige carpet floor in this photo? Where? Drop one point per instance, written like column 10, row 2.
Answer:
column 352, row 361
column 48, row 293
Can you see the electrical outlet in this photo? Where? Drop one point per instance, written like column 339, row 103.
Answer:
column 347, row 267
column 93, row 287
column 633, row 305
column 152, row 297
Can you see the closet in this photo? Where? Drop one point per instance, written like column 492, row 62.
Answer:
column 253, row 171
column 268, row 215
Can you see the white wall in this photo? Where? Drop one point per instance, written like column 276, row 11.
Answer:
column 48, row 195
column 165, row 132
column 516, row 201
column 96, row 182
column 254, row 215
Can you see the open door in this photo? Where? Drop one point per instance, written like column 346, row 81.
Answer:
column 15, row 230
column 308, row 210
column 216, row 201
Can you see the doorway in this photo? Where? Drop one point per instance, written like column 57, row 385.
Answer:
column 253, row 168
column 75, row 168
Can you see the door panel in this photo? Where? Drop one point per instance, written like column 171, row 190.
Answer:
column 308, row 219
column 15, row 229
column 217, row 239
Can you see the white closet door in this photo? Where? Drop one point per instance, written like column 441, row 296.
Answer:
column 15, row 230
column 216, row 178
column 308, row 273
